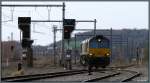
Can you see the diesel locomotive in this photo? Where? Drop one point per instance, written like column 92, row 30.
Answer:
column 95, row 50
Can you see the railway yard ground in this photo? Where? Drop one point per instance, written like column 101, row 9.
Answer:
column 144, row 70
column 46, row 68
column 41, row 65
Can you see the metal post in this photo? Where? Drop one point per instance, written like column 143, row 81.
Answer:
column 132, row 51
column 1, row 35
column 11, row 42
column 20, row 36
column 29, row 57
column 48, row 13
column 127, row 49
column 62, row 50
column 75, row 50
column 54, row 46
column 111, row 44
column 94, row 27
column 122, row 44
column 137, row 57
column 68, row 43
column 11, row 36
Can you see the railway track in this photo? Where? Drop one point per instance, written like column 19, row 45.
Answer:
column 134, row 75
column 118, row 77
column 41, row 76
column 115, row 73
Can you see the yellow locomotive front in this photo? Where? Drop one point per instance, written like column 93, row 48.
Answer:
column 96, row 50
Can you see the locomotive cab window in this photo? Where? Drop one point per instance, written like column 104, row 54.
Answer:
column 99, row 43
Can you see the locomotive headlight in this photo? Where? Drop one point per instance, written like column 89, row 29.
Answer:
column 107, row 54
column 90, row 54
column 99, row 40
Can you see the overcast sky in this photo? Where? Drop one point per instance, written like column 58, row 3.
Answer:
column 117, row 15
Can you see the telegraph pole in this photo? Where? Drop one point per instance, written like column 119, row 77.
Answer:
column 75, row 50
column 94, row 27
column 12, row 46
column 62, row 49
column 122, row 47
column 54, row 46
column 127, row 47
column 137, row 55
column 111, row 43
column 0, row 36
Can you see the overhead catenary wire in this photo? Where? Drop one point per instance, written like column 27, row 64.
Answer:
column 12, row 12
column 3, row 14
column 8, row 24
column 10, row 20
column 36, row 31
column 44, row 25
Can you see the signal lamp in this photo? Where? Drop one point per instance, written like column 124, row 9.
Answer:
column 69, row 26
column 66, row 30
column 99, row 40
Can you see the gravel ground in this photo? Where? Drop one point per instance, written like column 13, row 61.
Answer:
column 118, row 78
column 78, row 77
column 8, row 71
column 45, row 67
column 41, row 65
column 144, row 70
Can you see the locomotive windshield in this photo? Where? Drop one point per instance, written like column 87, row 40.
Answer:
column 100, row 43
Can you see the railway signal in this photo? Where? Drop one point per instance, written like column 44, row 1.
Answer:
column 26, row 43
column 69, row 26
column 24, row 26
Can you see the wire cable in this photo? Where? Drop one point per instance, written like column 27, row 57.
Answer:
column 12, row 12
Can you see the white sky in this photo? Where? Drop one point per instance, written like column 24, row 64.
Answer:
column 117, row 15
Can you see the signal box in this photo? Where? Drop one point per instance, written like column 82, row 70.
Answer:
column 26, row 43
column 24, row 25
column 24, row 20
column 69, row 26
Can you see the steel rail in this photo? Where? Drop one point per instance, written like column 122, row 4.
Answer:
column 103, row 77
column 67, row 73
column 41, row 76
column 122, row 68
column 136, row 74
